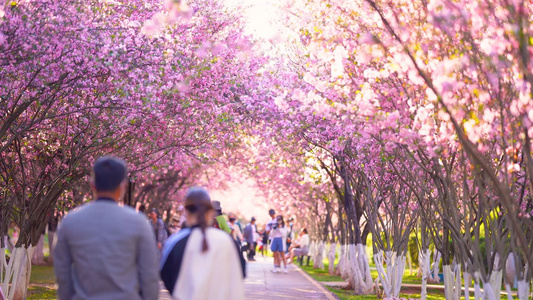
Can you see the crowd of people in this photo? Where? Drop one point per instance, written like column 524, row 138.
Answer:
column 108, row 251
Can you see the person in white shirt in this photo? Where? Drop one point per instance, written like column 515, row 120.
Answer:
column 278, row 246
column 268, row 229
column 256, row 238
column 202, row 262
column 300, row 247
column 235, row 229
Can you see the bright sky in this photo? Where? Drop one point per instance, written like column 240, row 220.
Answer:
column 264, row 23
column 242, row 199
column 262, row 17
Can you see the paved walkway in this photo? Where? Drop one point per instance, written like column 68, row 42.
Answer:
column 261, row 283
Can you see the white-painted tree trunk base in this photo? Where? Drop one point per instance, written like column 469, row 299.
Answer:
column 364, row 265
column 339, row 269
column 452, row 282
column 312, row 249
column 495, row 279
column 38, row 254
column 425, row 267
column 435, row 267
column 17, row 273
column 347, row 266
column 398, row 270
column 391, row 278
column 51, row 245
column 477, row 290
column 467, row 279
column 488, row 290
column 496, row 282
column 458, row 282
column 318, row 262
column 332, row 251
column 357, row 270
column 509, row 291
column 523, row 290
column 356, row 277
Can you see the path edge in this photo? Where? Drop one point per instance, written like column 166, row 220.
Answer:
column 329, row 294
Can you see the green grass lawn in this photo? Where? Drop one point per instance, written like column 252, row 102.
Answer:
column 320, row 275
column 41, row 292
column 323, row 276
column 407, row 278
column 42, row 283
column 407, row 293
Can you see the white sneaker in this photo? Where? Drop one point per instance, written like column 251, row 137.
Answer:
column 275, row 270
column 286, row 271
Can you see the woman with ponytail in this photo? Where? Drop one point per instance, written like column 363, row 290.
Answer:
column 201, row 262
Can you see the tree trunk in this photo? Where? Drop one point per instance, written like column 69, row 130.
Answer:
column 312, row 250
column 435, row 266
column 423, row 264
column 318, row 261
column 341, row 265
column 523, row 289
column 477, row 290
column 495, row 284
column 510, row 273
column 9, row 243
column 364, row 265
column 467, row 279
column 409, row 261
column 391, row 278
column 332, row 250
column 38, row 254
column 355, row 278
column 452, row 282
column 496, row 277
column 51, row 245
column 487, row 293
column 17, row 273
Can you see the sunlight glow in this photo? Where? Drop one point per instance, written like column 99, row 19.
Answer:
column 244, row 201
column 260, row 16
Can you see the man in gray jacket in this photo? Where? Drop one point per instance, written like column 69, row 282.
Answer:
column 249, row 236
column 105, row 251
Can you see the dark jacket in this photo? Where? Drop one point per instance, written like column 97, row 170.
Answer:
column 248, row 234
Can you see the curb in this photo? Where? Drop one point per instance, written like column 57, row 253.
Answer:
column 330, row 295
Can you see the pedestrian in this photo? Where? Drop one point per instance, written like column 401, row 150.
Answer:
column 268, row 228
column 236, row 234
column 220, row 220
column 174, row 226
column 300, row 247
column 202, row 262
column 103, row 250
column 278, row 246
column 235, row 229
column 264, row 241
column 250, row 238
column 158, row 226
column 290, row 234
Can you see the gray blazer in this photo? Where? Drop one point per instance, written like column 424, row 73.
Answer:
column 248, row 234
column 105, row 251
